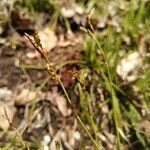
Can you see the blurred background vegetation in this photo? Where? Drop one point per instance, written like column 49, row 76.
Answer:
column 112, row 90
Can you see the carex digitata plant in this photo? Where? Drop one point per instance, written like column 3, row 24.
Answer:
column 52, row 72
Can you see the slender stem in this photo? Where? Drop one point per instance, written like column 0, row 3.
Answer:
column 79, row 119
column 111, row 90
column 83, row 126
column 64, row 90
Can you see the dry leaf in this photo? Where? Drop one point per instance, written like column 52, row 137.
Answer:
column 4, row 124
column 48, row 39
column 67, row 12
column 24, row 97
column 101, row 22
column 61, row 104
column 59, row 101
column 145, row 125
column 56, row 138
column 32, row 55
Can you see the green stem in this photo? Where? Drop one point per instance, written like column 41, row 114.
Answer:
column 36, row 67
column 83, row 126
column 111, row 91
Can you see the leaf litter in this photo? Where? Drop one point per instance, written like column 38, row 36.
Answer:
column 52, row 119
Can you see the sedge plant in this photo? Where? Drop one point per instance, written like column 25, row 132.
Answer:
column 109, row 83
column 52, row 72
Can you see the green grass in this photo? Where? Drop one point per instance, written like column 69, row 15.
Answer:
column 112, row 44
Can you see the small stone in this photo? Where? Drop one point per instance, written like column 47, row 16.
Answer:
column 5, row 94
column 77, row 135
column 47, row 139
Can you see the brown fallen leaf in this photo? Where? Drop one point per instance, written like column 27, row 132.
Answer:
column 145, row 126
column 24, row 97
column 21, row 25
column 48, row 39
column 59, row 101
column 4, row 124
